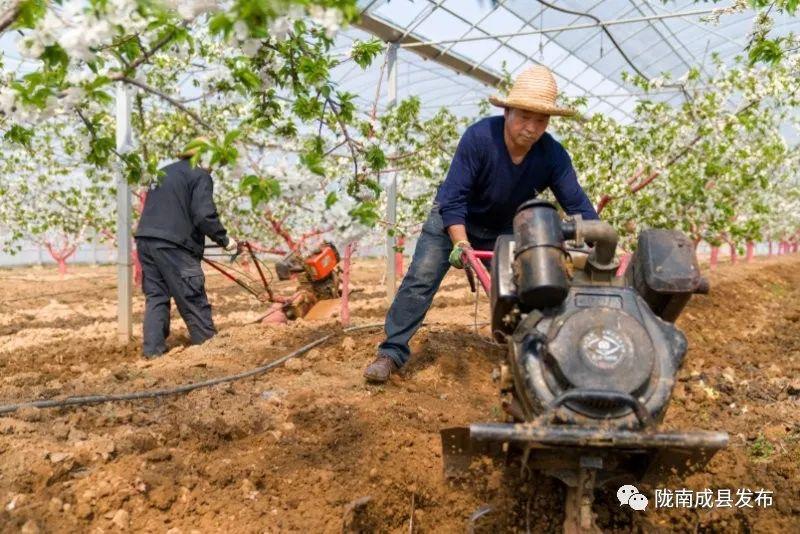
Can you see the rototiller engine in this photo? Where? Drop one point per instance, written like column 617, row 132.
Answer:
column 592, row 357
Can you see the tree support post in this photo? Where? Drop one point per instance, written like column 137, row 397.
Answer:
column 391, row 193
column 124, row 245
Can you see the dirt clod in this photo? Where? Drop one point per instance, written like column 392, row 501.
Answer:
column 121, row 519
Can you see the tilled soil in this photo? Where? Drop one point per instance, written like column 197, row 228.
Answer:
column 309, row 447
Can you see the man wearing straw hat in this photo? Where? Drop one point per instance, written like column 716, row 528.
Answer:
column 178, row 215
column 500, row 163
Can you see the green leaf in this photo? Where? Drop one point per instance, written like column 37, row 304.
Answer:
column 30, row 12
column 130, row 49
column 55, row 56
column 248, row 79
column 231, row 136
column 366, row 213
column 766, row 51
column 220, row 24
column 364, row 52
column 19, row 134
column 100, row 149
column 260, row 190
column 331, row 199
column 375, row 157
column 313, row 161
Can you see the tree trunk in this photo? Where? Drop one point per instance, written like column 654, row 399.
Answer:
column 712, row 263
column 279, row 229
column 346, row 263
column 769, row 254
column 603, row 202
column 624, row 261
column 750, row 252
column 398, row 258
column 734, row 256
column 61, row 256
column 137, row 267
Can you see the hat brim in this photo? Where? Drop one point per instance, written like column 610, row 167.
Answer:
column 186, row 154
column 528, row 105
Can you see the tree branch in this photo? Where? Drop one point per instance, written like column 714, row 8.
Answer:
column 10, row 15
column 164, row 96
column 348, row 139
column 655, row 174
column 161, row 43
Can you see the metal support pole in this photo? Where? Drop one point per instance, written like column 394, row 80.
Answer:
column 124, row 245
column 391, row 192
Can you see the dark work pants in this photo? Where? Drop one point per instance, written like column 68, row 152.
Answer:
column 171, row 271
column 429, row 265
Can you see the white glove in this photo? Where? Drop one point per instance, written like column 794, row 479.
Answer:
column 232, row 245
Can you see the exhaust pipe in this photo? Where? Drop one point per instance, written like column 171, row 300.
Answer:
column 605, row 239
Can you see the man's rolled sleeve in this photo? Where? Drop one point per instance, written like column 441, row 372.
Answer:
column 568, row 192
column 455, row 191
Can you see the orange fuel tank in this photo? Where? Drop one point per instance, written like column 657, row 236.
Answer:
column 320, row 264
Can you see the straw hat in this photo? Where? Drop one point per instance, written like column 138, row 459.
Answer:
column 533, row 90
column 193, row 147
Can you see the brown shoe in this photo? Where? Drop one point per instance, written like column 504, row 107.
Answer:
column 380, row 369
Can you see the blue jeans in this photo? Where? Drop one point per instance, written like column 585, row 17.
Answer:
column 428, row 267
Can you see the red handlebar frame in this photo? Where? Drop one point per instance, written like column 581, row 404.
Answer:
column 472, row 260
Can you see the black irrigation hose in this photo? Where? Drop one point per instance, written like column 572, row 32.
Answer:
column 185, row 388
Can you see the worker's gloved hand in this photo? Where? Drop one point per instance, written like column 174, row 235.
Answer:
column 232, row 245
column 455, row 254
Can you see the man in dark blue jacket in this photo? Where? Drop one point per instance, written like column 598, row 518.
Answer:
column 500, row 163
column 178, row 215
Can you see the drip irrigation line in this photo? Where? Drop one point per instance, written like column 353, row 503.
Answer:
column 85, row 400
column 184, row 388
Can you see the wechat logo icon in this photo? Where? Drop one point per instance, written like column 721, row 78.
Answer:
column 630, row 495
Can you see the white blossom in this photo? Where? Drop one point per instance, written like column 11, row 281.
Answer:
column 250, row 47
column 329, row 18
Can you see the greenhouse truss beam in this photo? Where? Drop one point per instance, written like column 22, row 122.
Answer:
column 390, row 33
column 527, row 57
column 556, row 29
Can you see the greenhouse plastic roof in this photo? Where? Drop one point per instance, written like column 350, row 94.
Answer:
column 467, row 44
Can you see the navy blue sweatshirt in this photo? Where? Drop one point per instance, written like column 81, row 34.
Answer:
column 484, row 187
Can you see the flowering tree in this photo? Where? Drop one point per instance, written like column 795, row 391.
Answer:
column 51, row 197
column 765, row 45
column 708, row 167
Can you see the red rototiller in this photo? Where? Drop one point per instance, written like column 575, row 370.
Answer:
column 316, row 295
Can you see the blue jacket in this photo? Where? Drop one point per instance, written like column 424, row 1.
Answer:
column 484, row 187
